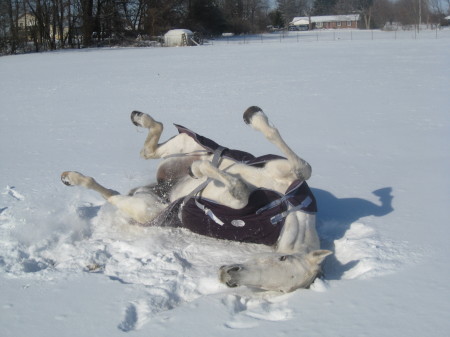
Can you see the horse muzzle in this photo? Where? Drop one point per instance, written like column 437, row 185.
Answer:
column 229, row 275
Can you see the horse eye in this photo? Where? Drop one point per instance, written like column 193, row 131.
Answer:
column 283, row 258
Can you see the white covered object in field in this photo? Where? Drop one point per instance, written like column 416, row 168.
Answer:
column 178, row 37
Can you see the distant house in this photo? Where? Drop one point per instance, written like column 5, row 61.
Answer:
column 27, row 24
column 326, row 22
column 26, row 20
column 28, row 27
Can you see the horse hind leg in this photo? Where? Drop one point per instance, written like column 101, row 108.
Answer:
column 259, row 121
column 155, row 130
column 72, row 178
column 140, row 205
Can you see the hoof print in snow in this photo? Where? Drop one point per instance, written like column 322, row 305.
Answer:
column 130, row 320
column 11, row 190
column 136, row 315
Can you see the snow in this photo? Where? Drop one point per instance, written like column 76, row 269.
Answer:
column 370, row 116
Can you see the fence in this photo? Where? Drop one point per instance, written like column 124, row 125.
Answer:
column 334, row 35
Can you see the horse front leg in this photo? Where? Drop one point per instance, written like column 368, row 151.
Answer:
column 155, row 129
column 259, row 121
column 299, row 234
column 230, row 190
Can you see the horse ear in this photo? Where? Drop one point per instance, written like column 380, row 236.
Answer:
column 317, row 256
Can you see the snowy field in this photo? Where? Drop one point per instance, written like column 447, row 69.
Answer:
column 371, row 116
column 335, row 35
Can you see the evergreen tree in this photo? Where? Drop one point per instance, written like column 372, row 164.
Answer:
column 276, row 18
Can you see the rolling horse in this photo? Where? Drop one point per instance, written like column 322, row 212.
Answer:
column 232, row 195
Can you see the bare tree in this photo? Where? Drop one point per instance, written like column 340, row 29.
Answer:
column 255, row 9
column 245, row 15
column 293, row 8
column 363, row 7
column 76, row 23
column 13, row 18
column 382, row 13
column 412, row 12
column 324, row 7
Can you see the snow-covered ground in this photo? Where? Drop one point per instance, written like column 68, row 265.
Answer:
column 335, row 35
column 371, row 116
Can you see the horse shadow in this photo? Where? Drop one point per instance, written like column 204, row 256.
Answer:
column 88, row 212
column 335, row 216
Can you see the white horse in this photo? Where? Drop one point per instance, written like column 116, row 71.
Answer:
column 229, row 194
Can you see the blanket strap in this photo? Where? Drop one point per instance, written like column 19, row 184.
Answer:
column 209, row 213
column 279, row 201
column 277, row 218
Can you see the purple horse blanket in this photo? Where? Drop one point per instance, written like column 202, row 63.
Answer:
column 260, row 221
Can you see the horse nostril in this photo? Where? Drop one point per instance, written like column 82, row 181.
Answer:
column 234, row 269
column 231, row 284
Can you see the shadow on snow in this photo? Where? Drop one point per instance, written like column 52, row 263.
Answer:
column 335, row 216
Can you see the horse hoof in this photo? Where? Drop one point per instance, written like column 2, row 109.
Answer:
column 248, row 114
column 145, row 121
column 65, row 179
column 135, row 116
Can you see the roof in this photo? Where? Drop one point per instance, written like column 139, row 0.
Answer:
column 304, row 20
column 176, row 32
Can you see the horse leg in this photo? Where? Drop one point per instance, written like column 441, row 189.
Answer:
column 72, row 178
column 181, row 143
column 141, row 205
column 230, row 190
column 155, row 130
column 298, row 234
column 259, row 121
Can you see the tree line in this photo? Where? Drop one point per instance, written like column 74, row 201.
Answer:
column 374, row 13
column 36, row 25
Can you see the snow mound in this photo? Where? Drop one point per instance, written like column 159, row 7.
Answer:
column 361, row 253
